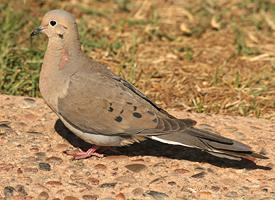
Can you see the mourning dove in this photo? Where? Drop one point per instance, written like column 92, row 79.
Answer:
column 103, row 109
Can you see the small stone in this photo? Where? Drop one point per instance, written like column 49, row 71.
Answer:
column 43, row 196
column 117, row 157
column 30, row 170
column 40, row 155
column 199, row 175
column 20, row 189
column 137, row 191
column 4, row 125
column 136, row 167
column 90, row 197
column 120, row 196
column 9, row 191
column 126, row 179
column 54, row 183
column 181, row 171
column 93, row 181
column 172, row 183
column 205, row 195
column 70, row 198
column 54, row 160
column 215, row 188
column 108, row 185
column 28, row 103
column 44, row 166
column 231, row 194
column 5, row 167
column 100, row 167
column 156, row 195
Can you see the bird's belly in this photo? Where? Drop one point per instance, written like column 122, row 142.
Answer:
column 99, row 140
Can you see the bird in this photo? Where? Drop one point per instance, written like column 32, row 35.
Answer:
column 104, row 109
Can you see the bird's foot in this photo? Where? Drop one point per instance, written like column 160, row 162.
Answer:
column 85, row 154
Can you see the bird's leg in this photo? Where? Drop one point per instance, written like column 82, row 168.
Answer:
column 86, row 154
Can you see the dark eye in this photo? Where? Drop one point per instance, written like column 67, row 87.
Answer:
column 52, row 23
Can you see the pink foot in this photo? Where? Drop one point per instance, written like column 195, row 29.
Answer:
column 85, row 154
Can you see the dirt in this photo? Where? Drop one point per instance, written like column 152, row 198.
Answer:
column 33, row 164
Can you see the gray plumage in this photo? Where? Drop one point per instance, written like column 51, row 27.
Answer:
column 105, row 110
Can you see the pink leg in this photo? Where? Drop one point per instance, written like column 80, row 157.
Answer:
column 85, row 154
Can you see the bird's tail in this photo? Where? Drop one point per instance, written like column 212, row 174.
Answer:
column 208, row 141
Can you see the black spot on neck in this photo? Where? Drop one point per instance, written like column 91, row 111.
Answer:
column 118, row 118
column 137, row 115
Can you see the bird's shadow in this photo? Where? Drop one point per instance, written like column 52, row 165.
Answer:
column 154, row 148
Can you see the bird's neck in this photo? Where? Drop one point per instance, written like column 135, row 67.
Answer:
column 60, row 62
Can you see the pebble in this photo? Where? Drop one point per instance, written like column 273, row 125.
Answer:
column 205, row 195
column 43, row 196
column 40, row 155
column 44, row 166
column 90, row 197
column 199, row 175
column 231, row 194
column 54, row 160
column 30, row 170
column 181, row 171
column 70, row 198
column 108, row 185
column 120, row 196
column 126, row 179
column 9, row 191
column 20, row 189
column 156, row 195
column 54, row 183
column 93, row 181
column 137, row 191
column 215, row 188
column 136, row 167
column 100, row 167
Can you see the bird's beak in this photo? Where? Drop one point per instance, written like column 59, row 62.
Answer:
column 37, row 31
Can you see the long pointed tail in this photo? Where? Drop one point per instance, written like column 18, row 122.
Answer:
column 212, row 143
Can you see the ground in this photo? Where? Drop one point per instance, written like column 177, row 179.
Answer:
column 209, row 60
column 33, row 164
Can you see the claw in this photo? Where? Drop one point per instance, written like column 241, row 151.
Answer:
column 85, row 154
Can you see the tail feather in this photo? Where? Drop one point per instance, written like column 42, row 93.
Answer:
column 214, row 144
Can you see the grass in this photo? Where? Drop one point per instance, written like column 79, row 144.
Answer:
column 203, row 56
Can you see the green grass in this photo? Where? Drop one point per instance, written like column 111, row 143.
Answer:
column 154, row 55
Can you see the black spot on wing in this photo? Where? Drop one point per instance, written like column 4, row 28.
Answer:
column 110, row 109
column 150, row 113
column 137, row 114
column 118, row 118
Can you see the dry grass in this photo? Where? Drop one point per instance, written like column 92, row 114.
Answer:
column 204, row 56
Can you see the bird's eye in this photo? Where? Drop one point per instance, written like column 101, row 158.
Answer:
column 52, row 23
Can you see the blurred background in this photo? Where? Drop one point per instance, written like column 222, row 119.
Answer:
column 206, row 56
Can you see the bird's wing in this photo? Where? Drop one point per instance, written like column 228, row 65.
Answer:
column 105, row 104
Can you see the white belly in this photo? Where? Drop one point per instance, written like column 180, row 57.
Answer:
column 99, row 140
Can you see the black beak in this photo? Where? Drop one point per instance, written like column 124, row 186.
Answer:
column 36, row 31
